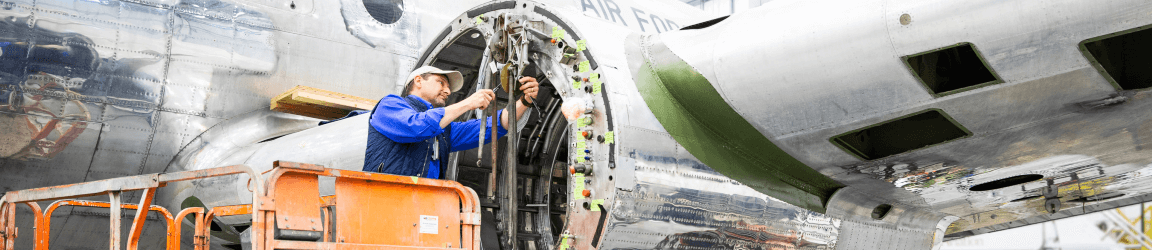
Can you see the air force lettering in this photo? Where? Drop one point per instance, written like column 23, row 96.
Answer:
column 640, row 19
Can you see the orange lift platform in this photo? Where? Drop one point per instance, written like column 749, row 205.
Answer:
column 368, row 210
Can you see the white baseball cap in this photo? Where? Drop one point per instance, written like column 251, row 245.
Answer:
column 455, row 79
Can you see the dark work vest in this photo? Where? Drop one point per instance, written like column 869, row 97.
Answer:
column 383, row 155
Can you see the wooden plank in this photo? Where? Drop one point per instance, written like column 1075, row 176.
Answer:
column 319, row 103
column 341, row 102
column 317, row 112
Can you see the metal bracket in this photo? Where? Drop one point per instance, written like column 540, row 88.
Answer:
column 470, row 219
column 1051, row 197
column 267, row 204
column 297, row 165
column 298, row 223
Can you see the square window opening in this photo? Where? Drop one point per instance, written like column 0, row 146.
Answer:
column 1122, row 57
column 916, row 131
column 951, row 69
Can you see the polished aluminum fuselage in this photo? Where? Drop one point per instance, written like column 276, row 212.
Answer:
column 163, row 86
column 802, row 72
column 101, row 89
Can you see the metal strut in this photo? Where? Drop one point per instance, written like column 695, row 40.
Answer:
column 482, row 83
column 517, row 50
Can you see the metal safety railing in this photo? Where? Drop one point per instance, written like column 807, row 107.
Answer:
column 113, row 188
column 375, row 211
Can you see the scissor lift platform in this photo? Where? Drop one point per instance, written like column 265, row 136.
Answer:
column 368, row 211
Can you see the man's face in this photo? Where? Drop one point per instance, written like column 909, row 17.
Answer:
column 434, row 89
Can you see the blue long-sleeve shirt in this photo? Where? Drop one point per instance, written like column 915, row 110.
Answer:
column 401, row 123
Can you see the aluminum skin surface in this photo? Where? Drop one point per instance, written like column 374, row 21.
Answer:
column 101, row 89
column 820, row 70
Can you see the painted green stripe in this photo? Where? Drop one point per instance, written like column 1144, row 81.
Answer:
column 695, row 114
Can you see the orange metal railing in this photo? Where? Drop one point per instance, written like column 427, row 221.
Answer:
column 369, row 211
column 113, row 188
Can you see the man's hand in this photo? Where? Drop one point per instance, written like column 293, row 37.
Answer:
column 530, row 88
column 479, row 100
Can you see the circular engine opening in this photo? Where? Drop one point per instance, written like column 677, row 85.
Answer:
column 1006, row 182
column 541, row 148
column 526, row 192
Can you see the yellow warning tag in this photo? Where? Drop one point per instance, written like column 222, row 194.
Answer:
column 557, row 33
column 479, row 19
column 585, row 67
column 414, row 179
column 609, row 137
column 594, row 78
column 596, row 89
column 576, row 85
column 596, row 204
column 581, row 45
column 564, row 243
column 579, row 186
column 580, row 145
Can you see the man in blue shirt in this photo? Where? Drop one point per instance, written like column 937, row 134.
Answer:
column 410, row 135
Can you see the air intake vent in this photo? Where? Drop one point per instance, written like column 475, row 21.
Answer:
column 951, row 70
column 911, row 132
column 1123, row 57
column 705, row 24
column 1006, row 182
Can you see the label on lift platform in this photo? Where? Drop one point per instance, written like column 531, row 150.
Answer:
column 429, row 224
